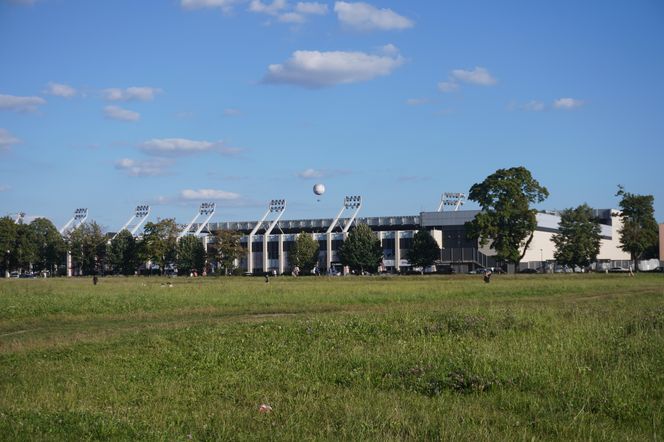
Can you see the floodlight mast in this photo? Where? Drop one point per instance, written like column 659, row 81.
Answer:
column 205, row 209
column 141, row 213
column 350, row 203
column 455, row 199
column 277, row 206
column 80, row 215
column 19, row 218
column 208, row 210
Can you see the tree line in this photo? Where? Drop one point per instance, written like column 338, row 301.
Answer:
column 506, row 223
column 39, row 247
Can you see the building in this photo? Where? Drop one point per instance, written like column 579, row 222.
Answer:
column 268, row 242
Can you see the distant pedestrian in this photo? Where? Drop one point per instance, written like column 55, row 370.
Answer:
column 267, row 278
column 95, row 280
column 487, row 276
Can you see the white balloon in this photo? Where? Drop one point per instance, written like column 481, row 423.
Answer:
column 319, row 189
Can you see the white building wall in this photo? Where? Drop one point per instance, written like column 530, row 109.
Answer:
column 541, row 248
column 610, row 248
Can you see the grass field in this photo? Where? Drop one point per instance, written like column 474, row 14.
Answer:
column 360, row 358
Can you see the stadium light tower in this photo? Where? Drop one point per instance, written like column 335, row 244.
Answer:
column 353, row 202
column 277, row 208
column 206, row 209
column 80, row 215
column 350, row 203
column 455, row 199
column 140, row 214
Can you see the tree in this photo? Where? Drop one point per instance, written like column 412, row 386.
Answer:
column 88, row 247
column 160, row 242
column 50, row 247
column 190, row 254
column 123, row 253
column 578, row 238
column 25, row 247
column 639, row 233
column 425, row 250
column 506, row 219
column 361, row 250
column 227, row 248
column 7, row 242
column 304, row 252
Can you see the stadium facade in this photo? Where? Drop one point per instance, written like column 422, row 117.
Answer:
column 267, row 243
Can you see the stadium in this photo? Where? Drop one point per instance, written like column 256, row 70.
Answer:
column 268, row 240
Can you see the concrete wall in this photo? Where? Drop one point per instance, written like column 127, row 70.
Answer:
column 610, row 248
column 541, row 248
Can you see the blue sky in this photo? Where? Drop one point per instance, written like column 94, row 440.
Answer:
column 110, row 104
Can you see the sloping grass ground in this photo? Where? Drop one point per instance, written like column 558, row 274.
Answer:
column 575, row 357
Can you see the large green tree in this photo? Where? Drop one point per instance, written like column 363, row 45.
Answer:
column 227, row 249
column 506, row 221
column 87, row 244
column 578, row 238
column 361, row 251
column 123, row 253
column 159, row 243
column 7, row 242
column 190, row 255
column 304, row 252
column 639, row 233
column 24, row 253
column 425, row 250
column 50, row 247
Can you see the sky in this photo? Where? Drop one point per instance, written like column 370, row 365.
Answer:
column 112, row 104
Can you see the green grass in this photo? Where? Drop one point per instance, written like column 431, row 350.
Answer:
column 387, row 358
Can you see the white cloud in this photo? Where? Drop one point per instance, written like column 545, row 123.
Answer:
column 176, row 145
column 530, row 106
column 313, row 8
column 208, row 194
column 154, row 167
column 225, row 5
column 232, row 112
column 315, row 69
column 308, row 174
column 417, row 101
column 60, row 90
column 183, row 146
column 389, row 49
column 291, row 17
column 264, row 8
column 20, row 104
column 366, row 17
column 142, row 93
column 533, row 106
column 567, row 103
column 7, row 140
column 312, row 174
column 284, row 13
column 118, row 113
column 448, row 86
column 277, row 9
column 479, row 76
